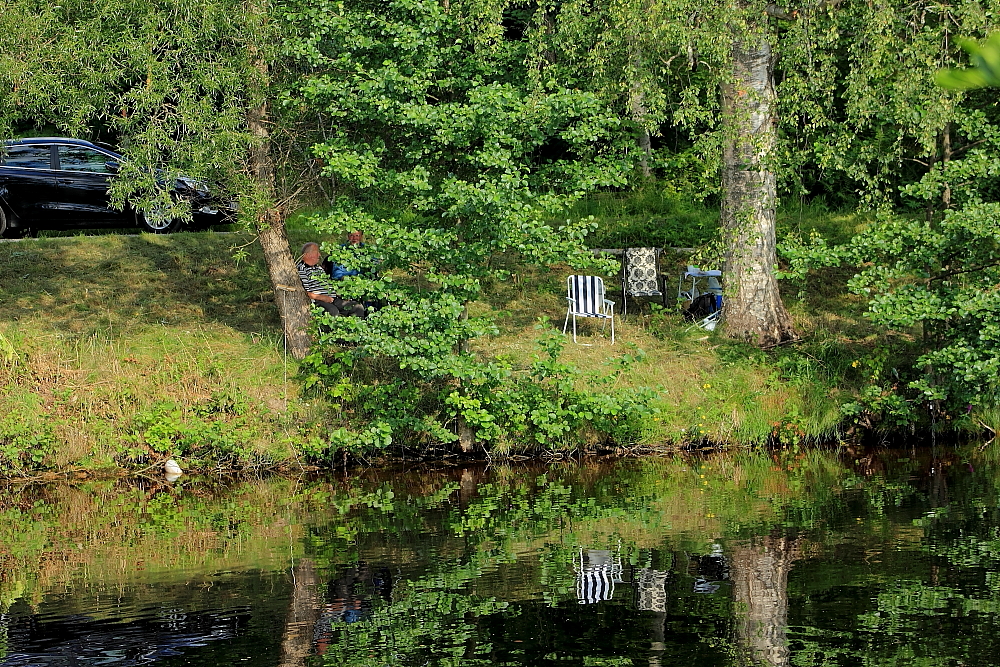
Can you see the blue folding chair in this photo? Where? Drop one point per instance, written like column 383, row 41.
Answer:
column 695, row 284
column 586, row 299
column 700, row 282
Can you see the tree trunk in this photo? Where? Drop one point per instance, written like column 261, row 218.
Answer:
column 760, row 588
column 753, row 309
column 289, row 296
column 637, row 103
column 945, row 159
column 466, row 434
column 304, row 611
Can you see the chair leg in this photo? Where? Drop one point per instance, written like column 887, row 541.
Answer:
column 612, row 326
column 574, row 327
column 566, row 322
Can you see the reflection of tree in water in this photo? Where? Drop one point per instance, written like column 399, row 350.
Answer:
column 350, row 598
column 303, row 610
column 374, row 621
column 759, row 570
column 312, row 618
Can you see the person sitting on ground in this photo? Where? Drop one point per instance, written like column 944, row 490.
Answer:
column 361, row 264
column 355, row 242
column 314, row 280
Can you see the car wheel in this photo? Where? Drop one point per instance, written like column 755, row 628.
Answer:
column 157, row 221
column 8, row 232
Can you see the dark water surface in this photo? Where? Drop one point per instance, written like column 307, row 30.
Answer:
column 819, row 558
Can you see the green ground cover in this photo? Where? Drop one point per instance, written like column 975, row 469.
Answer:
column 122, row 351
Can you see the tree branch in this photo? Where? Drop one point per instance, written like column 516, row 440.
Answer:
column 950, row 274
column 777, row 12
column 967, row 146
column 781, row 13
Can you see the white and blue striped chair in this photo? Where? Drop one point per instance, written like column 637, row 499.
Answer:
column 586, row 299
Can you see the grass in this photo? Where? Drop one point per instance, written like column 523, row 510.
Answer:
column 647, row 218
column 708, row 388
column 123, row 350
column 110, row 331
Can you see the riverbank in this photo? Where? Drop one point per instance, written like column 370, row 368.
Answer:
column 130, row 349
column 122, row 351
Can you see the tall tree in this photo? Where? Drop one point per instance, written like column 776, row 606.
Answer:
column 448, row 154
column 753, row 308
column 183, row 86
column 701, row 61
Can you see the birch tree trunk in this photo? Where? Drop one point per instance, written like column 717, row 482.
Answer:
column 289, row 296
column 753, row 309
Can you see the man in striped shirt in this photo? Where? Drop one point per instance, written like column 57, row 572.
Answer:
column 317, row 285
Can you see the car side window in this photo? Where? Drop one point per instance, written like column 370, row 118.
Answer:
column 78, row 158
column 27, row 157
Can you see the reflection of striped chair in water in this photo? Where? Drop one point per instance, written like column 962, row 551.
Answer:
column 596, row 575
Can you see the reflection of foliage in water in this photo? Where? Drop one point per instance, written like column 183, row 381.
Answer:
column 431, row 622
column 480, row 561
column 660, row 506
column 541, row 522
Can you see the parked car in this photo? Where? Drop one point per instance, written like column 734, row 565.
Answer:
column 59, row 183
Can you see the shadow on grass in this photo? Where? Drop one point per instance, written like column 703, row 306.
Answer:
column 83, row 284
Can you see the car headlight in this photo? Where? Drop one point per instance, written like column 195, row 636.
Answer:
column 193, row 184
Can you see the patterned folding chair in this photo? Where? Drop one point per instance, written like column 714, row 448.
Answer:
column 641, row 275
column 586, row 299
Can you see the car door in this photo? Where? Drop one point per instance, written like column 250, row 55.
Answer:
column 82, row 182
column 27, row 181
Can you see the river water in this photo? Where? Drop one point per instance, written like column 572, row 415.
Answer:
column 811, row 558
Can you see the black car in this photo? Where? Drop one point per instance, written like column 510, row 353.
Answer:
column 58, row 183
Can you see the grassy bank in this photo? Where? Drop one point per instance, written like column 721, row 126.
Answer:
column 126, row 350
column 132, row 348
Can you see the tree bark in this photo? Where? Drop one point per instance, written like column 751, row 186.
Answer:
column 753, row 308
column 760, row 587
column 289, row 296
column 466, row 434
column 945, row 159
column 637, row 103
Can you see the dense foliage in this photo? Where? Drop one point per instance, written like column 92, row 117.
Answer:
column 468, row 139
column 427, row 106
